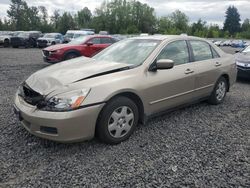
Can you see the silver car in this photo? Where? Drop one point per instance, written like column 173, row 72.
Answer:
column 125, row 84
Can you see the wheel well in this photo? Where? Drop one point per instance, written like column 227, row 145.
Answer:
column 7, row 40
column 71, row 51
column 137, row 100
column 228, row 81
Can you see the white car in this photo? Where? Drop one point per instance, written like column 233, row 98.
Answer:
column 218, row 43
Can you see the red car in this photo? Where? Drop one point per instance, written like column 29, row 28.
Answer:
column 81, row 46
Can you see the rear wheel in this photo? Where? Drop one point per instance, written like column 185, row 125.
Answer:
column 117, row 120
column 71, row 56
column 6, row 43
column 219, row 93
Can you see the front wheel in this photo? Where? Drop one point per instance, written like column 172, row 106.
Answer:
column 219, row 93
column 117, row 120
column 70, row 56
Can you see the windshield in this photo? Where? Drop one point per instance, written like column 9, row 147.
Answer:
column 50, row 35
column 78, row 35
column 69, row 35
column 246, row 50
column 79, row 40
column 129, row 51
column 23, row 35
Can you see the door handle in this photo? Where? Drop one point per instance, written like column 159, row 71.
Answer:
column 189, row 71
column 217, row 64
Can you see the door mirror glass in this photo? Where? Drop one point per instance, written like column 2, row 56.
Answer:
column 164, row 64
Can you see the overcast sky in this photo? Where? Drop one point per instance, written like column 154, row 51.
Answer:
column 213, row 11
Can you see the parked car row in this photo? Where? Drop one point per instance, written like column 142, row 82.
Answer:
column 232, row 43
column 37, row 39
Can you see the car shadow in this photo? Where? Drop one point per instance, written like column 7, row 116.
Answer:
column 244, row 80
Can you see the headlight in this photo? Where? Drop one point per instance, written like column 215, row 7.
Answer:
column 54, row 52
column 242, row 64
column 66, row 101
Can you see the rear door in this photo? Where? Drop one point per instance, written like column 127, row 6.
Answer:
column 206, row 63
column 171, row 87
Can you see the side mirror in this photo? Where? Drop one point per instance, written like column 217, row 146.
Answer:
column 89, row 43
column 162, row 64
column 165, row 64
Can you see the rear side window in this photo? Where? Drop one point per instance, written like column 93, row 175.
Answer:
column 201, row 50
column 176, row 51
column 106, row 41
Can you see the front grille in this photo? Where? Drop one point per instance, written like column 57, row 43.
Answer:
column 30, row 96
column 243, row 68
column 46, row 53
column 42, row 41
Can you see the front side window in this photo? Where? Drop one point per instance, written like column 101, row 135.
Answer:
column 176, row 51
column 79, row 40
column 201, row 50
column 95, row 41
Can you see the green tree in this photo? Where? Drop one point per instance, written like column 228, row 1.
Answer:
column 180, row 21
column 55, row 19
column 33, row 19
column 232, row 21
column 246, row 25
column 165, row 25
column 1, row 25
column 199, row 28
column 66, row 22
column 17, row 14
column 83, row 18
column 121, row 16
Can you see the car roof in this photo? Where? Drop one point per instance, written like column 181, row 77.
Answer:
column 167, row 37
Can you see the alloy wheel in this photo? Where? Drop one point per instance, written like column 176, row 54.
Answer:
column 120, row 122
column 221, row 91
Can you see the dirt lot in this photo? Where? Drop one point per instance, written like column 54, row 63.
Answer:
column 198, row 146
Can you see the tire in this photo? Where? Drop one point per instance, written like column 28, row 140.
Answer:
column 27, row 45
column 6, row 43
column 53, row 43
column 70, row 55
column 122, row 113
column 219, row 93
column 15, row 46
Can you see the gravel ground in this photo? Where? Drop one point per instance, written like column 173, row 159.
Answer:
column 198, row 146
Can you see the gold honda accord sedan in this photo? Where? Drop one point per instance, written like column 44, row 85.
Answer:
column 109, row 94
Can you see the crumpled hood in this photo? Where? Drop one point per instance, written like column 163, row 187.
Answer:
column 243, row 57
column 56, row 76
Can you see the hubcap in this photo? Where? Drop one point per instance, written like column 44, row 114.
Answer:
column 220, row 91
column 120, row 122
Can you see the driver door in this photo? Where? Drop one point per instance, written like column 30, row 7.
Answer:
column 171, row 87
